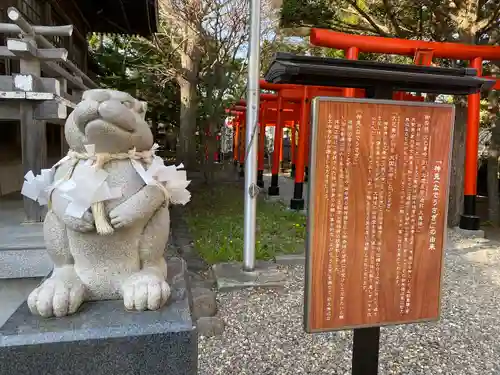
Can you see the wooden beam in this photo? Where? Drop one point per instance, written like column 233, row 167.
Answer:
column 63, row 30
column 29, row 82
column 22, row 48
column 5, row 53
column 9, row 111
column 35, row 96
column 57, row 70
column 50, row 110
column 63, row 14
column 34, row 142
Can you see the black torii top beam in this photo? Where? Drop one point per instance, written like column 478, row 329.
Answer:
column 371, row 75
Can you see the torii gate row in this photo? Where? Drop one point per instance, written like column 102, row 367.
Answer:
column 423, row 53
column 289, row 95
column 304, row 94
column 268, row 116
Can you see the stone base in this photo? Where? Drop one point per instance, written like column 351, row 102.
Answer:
column 469, row 233
column 104, row 339
column 470, row 222
column 230, row 276
column 297, row 204
column 291, row 259
column 273, row 191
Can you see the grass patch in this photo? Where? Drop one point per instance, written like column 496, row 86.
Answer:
column 215, row 218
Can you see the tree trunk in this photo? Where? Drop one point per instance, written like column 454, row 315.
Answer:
column 186, row 144
column 493, row 201
column 154, row 123
column 456, row 197
column 210, row 146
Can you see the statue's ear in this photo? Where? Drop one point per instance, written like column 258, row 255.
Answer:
column 141, row 108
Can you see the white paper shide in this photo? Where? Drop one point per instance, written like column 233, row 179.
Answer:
column 89, row 185
column 38, row 187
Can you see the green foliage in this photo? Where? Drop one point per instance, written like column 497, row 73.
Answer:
column 125, row 64
column 307, row 13
column 215, row 218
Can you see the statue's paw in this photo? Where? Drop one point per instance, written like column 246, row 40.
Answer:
column 119, row 218
column 83, row 225
column 145, row 292
column 56, row 298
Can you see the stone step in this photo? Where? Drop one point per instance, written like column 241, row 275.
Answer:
column 22, row 252
column 13, row 292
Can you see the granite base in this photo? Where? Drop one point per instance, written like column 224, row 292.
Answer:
column 104, row 339
column 230, row 276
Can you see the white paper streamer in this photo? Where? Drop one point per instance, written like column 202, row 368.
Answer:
column 173, row 180
column 37, row 187
column 85, row 188
column 89, row 186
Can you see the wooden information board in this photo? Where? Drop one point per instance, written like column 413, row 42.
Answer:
column 378, row 195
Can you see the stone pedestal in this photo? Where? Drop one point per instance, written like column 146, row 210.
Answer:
column 104, row 339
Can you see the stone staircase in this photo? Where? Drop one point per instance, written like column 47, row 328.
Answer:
column 23, row 260
column 22, row 250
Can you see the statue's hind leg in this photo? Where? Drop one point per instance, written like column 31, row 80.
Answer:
column 63, row 292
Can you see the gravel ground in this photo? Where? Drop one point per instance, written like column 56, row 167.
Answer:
column 264, row 333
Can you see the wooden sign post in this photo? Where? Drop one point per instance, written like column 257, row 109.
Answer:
column 378, row 199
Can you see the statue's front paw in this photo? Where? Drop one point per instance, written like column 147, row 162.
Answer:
column 83, row 225
column 119, row 217
column 56, row 298
column 145, row 292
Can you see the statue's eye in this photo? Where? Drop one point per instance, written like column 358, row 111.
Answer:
column 127, row 104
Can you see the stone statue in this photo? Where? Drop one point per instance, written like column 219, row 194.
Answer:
column 112, row 247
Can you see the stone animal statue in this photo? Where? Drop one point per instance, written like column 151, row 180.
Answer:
column 116, row 249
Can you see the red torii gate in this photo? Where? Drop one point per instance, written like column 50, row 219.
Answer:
column 423, row 53
column 269, row 116
column 287, row 94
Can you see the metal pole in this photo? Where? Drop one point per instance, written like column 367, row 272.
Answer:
column 252, row 117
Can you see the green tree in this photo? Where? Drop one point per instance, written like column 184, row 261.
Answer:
column 464, row 21
column 123, row 66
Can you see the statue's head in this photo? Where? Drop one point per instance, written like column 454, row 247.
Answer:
column 111, row 120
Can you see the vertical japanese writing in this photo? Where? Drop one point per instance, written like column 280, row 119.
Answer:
column 413, row 180
column 346, row 149
column 393, row 159
column 373, row 228
column 357, row 137
column 368, row 208
column 424, row 173
column 378, row 213
column 331, row 211
column 436, row 182
column 404, row 207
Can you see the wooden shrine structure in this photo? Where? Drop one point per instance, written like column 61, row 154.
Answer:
column 45, row 65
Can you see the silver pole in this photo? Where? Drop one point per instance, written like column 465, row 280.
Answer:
column 252, row 115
